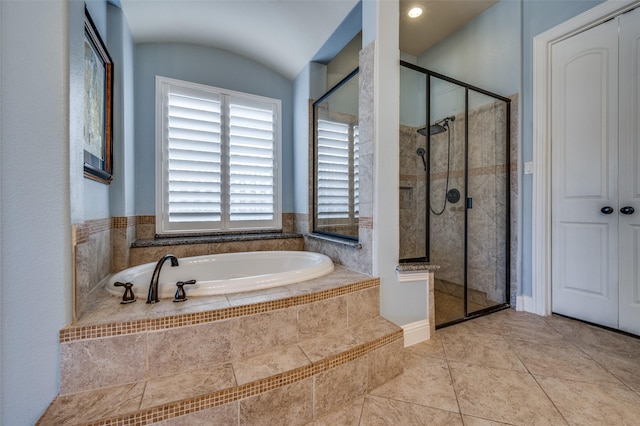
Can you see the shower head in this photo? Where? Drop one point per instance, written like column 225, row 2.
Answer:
column 438, row 127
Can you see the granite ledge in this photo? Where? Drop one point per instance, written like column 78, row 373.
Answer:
column 417, row 267
column 208, row 239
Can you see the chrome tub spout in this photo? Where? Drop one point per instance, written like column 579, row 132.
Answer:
column 153, row 285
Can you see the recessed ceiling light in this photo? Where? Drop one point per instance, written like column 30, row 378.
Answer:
column 414, row 12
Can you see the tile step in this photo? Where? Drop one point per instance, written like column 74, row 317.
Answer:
column 303, row 380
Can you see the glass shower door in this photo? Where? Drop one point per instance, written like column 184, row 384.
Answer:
column 487, row 225
column 445, row 145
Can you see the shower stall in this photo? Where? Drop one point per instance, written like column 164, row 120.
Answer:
column 454, row 190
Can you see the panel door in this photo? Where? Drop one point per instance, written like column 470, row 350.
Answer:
column 629, row 181
column 584, row 161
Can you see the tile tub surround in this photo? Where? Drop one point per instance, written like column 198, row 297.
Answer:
column 249, row 353
column 150, row 250
column 110, row 245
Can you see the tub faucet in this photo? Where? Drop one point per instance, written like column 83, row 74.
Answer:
column 153, row 285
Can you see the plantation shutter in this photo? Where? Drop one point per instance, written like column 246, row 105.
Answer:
column 356, row 171
column 218, row 154
column 333, row 170
column 194, row 156
column 251, row 160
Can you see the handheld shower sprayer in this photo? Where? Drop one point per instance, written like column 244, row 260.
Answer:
column 421, row 152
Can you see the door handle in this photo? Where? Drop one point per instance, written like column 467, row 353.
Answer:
column 627, row 210
column 607, row 210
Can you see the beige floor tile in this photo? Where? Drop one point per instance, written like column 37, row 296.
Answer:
column 502, row 395
column 589, row 337
column 427, row 383
column 481, row 349
column 431, row 348
column 269, row 364
column 382, row 412
column 592, row 404
column 477, row 421
column 625, row 367
column 89, row 406
column 527, row 328
column 329, row 345
column 167, row 389
column 562, row 361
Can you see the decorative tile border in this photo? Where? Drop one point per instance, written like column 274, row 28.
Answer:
column 145, row 220
column 226, row 396
column 91, row 227
column 74, row 333
column 123, row 222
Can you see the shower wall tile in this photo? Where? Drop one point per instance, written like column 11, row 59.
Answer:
column 358, row 259
column 487, row 172
column 92, row 259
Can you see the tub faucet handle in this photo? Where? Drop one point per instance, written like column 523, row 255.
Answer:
column 181, row 295
column 128, row 296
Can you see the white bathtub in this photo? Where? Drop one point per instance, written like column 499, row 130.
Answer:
column 226, row 273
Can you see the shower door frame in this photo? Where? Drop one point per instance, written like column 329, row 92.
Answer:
column 507, row 260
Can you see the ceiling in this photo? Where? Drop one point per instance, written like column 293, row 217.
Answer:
column 284, row 35
column 439, row 19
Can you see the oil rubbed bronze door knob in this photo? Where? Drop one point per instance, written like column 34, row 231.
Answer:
column 627, row 210
column 607, row 210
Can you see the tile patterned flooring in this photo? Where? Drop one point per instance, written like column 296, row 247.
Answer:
column 508, row 368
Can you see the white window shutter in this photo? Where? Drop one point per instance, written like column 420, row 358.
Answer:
column 218, row 155
column 333, row 170
column 251, row 160
column 194, row 157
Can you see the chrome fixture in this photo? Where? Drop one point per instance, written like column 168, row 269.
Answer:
column 181, row 295
column 438, row 127
column 153, row 285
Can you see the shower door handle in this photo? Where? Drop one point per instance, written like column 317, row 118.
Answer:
column 607, row 210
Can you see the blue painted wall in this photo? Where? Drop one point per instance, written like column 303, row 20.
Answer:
column 212, row 67
column 537, row 17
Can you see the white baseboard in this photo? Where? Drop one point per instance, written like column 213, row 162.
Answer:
column 525, row 303
column 416, row 332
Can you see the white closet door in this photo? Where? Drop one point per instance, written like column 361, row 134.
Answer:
column 584, row 161
column 629, row 181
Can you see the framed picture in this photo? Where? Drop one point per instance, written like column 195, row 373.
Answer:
column 98, row 105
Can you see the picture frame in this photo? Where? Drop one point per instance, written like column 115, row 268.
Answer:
column 98, row 105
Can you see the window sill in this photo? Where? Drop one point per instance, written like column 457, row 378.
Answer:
column 337, row 240
column 161, row 241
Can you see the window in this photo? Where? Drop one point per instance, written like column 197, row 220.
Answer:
column 218, row 153
column 337, row 160
column 337, row 157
